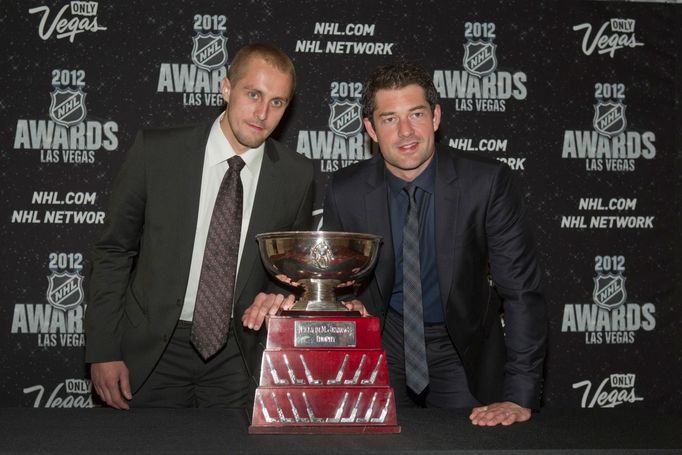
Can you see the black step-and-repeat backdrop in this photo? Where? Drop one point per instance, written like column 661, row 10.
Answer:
column 580, row 99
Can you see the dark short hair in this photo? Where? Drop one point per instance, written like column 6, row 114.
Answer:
column 268, row 52
column 395, row 76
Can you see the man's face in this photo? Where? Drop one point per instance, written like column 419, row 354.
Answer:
column 404, row 127
column 255, row 104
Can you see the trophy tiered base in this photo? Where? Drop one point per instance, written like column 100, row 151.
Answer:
column 324, row 374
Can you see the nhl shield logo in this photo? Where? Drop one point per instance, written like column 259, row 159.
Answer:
column 609, row 291
column 65, row 290
column 67, row 107
column 345, row 118
column 479, row 58
column 609, row 118
column 209, row 51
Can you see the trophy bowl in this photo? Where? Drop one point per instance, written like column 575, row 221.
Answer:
column 318, row 262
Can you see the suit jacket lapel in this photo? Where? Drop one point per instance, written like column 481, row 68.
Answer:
column 379, row 222
column 263, row 205
column 446, row 207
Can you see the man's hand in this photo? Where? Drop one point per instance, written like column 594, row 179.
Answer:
column 504, row 413
column 111, row 383
column 356, row 305
column 263, row 305
column 287, row 280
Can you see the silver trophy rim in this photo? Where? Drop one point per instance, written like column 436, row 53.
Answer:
column 312, row 234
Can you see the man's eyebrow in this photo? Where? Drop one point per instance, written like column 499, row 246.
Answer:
column 416, row 108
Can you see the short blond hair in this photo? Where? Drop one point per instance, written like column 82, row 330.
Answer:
column 268, row 52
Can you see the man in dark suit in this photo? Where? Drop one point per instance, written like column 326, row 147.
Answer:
column 148, row 266
column 463, row 222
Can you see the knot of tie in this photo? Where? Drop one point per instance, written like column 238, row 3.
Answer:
column 411, row 191
column 236, row 163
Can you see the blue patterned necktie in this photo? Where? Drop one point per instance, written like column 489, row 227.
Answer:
column 213, row 306
column 416, row 369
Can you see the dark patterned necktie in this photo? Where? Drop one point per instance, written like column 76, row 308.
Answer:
column 416, row 369
column 213, row 306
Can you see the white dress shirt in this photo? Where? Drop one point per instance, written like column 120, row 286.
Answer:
column 218, row 151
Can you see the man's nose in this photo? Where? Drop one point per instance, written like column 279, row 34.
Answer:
column 262, row 111
column 405, row 128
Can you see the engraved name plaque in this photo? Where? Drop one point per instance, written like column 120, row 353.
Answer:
column 318, row 334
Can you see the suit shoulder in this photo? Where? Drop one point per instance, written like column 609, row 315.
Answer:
column 470, row 159
column 286, row 153
column 289, row 160
column 357, row 172
column 469, row 164
column 175, row 134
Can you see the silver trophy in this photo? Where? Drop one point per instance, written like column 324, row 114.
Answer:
column 319, row 262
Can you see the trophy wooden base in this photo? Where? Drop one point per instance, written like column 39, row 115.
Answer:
column 324, row 374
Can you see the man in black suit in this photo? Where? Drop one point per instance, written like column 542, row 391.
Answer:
column 471, row 230
column 147, row 266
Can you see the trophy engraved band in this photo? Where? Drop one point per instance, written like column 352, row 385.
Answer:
column 323, row 369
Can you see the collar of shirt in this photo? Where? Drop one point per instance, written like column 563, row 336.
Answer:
column 425, row 181
column 219, row 149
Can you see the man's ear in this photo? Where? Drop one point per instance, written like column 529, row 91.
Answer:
column 370, row 129
column 225, row 88
column 436, row 117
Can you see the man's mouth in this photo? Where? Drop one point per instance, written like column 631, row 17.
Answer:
column 256, row 126
column 407, row 146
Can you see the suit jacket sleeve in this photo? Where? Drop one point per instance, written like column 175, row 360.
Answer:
column 515, row 272
column 113, row 258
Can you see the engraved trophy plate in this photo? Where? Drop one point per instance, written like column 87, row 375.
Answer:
column 293, row 331
column 318, row 334
column 323, row 369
